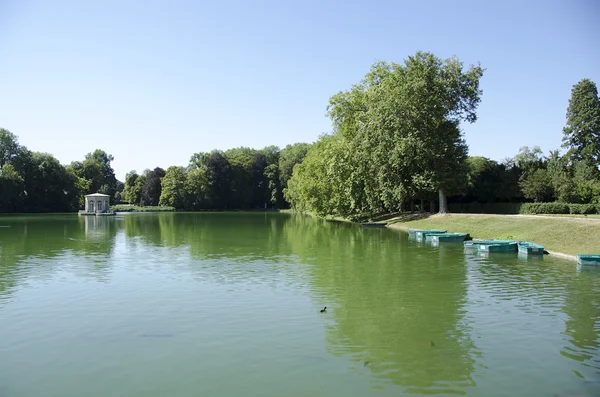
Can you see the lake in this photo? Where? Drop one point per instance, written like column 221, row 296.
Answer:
column 228, row 304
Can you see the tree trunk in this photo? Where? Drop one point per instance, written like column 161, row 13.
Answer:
column 443, row 202
column 422, row 206
column 432, row 206
column 412, row 206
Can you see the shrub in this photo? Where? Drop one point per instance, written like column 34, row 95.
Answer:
column 582, row 209
column 544, row 208
column 524, row 208
column 135, row 208
column 485, row 208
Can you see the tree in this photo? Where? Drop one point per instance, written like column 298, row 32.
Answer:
column 587, row 185
column 138, row 187
column 274, row 193
column 396, row 137
column 49, row 186
column 173, row 184
column 219, row 175
column 271, row 154
column 288, row 158
column 91, row 170
column 439, row 95
column 528, row 159
column 151, row 190
column 537, row 185
column 119, row 193
column 12, row 190
column 241, row 192
column 485, row 180
column 197, row 188
column 107, row 173
column 582, row 131
column 9, row 147
column 261, row 194
column 131, row 193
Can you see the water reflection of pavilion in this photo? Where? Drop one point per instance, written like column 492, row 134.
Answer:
column 97, row 227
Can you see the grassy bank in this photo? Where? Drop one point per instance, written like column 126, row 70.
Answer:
column 567, row 235
column 136, row 208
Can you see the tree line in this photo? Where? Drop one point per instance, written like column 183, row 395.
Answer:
column 239, row 178
column 38, row 182
column 396, row 140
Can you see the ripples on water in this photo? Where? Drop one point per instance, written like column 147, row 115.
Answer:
column 228, row 305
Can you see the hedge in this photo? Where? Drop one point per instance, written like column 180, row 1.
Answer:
column 135, row 208
column 524, row 208
column 544, row 208
column 485, row 208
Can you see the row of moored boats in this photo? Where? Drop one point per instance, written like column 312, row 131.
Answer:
column 485, row 246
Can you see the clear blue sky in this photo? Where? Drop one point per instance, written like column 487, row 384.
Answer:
column 152, row 82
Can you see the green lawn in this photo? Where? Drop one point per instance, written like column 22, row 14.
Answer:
column 567, row 235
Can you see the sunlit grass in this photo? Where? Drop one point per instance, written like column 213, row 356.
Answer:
column 566, row 234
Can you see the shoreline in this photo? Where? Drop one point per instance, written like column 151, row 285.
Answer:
column 550, row 253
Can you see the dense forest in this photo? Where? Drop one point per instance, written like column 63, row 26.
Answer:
column 396, row 141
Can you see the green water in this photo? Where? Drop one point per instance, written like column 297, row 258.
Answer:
column 228, row 305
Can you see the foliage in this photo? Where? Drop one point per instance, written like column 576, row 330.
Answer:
column 288, row 158
column 396, row 137
column 173, row 191
column 151, row 189
column 196, row 189
column 488, row 181
column 525, row 208
column 582, row 131
column 132, row 192
column 528, row 159
column 486, row 207
column 583, row 209
column 9, row 147
column 12, row 192
column 97, row 169
column 544, row 208
column 536, row 185
column 137, row 208
column 249, row 185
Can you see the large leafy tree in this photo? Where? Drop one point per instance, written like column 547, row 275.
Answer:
column 173, row 184
column 537, row 185
column 107, row 175
column 582, row 132
column 212, row 174
column 9, row 147
column 241, row 190
column 437, row 95
column 400, row 128
column 288, row 158
column 49, row 186
column 12, row 190
column 220, row 175
column 152, row 187
column 528, row 159
column 485, row 180
column 132, row 192
column 197, row 188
